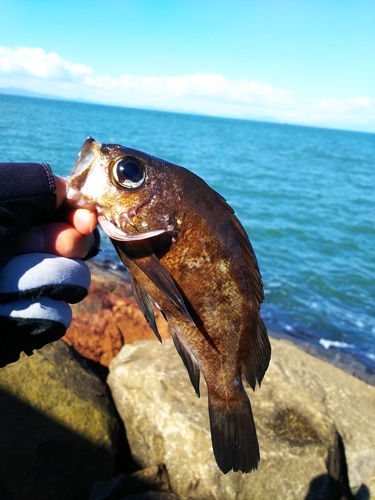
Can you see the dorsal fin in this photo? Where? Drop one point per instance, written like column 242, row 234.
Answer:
column 247, row 252
column 258, row 354
column 258, row 344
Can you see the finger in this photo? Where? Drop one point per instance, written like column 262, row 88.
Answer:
column 70, row 243
column 85, row 221
column 57, row 238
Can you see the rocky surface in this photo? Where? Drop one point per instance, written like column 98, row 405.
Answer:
column 58, row 427
column 302, row 409
column 154, row 478
column 344, row 360
column 109, row 317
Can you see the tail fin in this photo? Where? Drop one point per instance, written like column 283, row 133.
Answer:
column 233, row 434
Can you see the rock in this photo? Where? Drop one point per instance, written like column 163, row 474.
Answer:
column 58, row 427
column 346, row 361
column 154, row 478
column 151, row 495
column 109, row 317
column 348, row 401
column 302, row 404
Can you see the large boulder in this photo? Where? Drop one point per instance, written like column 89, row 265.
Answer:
column 303, row 411
column 58, row 427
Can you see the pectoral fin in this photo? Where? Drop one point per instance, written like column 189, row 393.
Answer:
column 145, row 304
column 151, row 266
column 158, row 274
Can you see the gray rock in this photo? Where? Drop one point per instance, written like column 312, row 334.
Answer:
column 347, row 400
column 301, row 405
column 58, row 427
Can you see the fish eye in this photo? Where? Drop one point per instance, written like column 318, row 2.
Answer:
column 128, row 173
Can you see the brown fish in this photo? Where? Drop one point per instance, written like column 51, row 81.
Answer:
column 186, row 252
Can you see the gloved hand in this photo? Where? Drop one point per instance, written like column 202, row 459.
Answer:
column 39, row 240
column 35, row 290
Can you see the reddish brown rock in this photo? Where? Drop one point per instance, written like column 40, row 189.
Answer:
column 109, row 317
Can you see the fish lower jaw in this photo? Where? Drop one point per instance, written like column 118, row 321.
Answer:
column 75, row 199
column 115, row 233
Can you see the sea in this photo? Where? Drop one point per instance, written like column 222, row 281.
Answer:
column 306, row 197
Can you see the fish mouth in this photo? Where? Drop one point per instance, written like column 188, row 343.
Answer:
column 89, row 153
column 118, row 234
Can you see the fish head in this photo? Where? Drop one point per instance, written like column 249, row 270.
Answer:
column 130, row 191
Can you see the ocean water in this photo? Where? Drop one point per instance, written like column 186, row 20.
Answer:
column 306, row 197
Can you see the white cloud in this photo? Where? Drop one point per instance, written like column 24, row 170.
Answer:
column 347, row 105
column 35, row 62
column 204, row 87
column 358, row 110
column 34, row 69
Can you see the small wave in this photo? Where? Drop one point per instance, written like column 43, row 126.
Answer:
column 334, row 343
column 274, row 284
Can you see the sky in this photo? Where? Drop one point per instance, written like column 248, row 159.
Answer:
column 308, row 62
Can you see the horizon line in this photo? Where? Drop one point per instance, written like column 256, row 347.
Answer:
column 20, row 92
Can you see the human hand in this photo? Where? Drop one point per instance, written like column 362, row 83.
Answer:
column 72, row 238
column 35, row 292
column 44, row 276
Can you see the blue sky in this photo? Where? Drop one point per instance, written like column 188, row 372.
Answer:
column 304, row 61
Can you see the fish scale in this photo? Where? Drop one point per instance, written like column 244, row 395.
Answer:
column 186, row 251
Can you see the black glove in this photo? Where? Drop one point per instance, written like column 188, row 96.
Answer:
column 35, row 290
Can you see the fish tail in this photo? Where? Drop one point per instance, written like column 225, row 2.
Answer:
column 233, row 433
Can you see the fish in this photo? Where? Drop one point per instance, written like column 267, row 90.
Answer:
column 188, row 255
